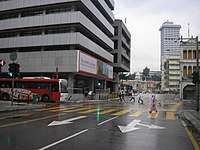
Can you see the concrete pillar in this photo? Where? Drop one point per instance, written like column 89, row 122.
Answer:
column 71, row 82
column 92, row 84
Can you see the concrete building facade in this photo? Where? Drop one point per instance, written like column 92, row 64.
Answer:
column 122, row 50
column 71, row 38
column 169, row 33
column 187, row 66
column 170, row 56
column 170, row 81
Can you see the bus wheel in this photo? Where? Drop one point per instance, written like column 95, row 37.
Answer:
column 45, row 98
column 5, row 96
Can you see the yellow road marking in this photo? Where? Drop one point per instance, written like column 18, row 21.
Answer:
column 43, row 109
column 153, row 115
column 137, row 113
column 175, row 107
column 89, row 111
column 195, row 144
column 75, row 110
column 62, row 109
column 170, row 116
column 17, row 115
column 121, row 112
column 28, row 121
column 107, row 111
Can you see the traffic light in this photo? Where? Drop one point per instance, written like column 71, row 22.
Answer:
column 13, row 69
column 16, row 71
column 0, row 68
column 195, row 77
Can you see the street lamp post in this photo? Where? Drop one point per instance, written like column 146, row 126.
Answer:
column 197, row 70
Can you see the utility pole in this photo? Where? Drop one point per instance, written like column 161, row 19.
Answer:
column 197, row 70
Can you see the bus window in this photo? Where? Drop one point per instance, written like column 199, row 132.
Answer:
column 63, row 86
column 54, row 87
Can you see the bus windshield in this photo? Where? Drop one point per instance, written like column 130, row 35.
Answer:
column 63, row 86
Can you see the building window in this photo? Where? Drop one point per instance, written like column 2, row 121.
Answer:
column 116, row 31
column 184, row 54
column 189, row 54
column 115, row 44
column 185, row 71
column 32, row 13
column 189, row 71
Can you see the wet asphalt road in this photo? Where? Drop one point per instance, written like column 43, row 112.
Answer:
column 95, row 126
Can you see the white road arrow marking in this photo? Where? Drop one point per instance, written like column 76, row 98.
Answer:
column 131, row 126
column 67, row 121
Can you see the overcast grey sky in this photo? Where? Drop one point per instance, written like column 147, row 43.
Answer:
column 143, row 20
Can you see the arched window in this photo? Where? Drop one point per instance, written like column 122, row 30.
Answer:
column 185, row 71
column 189, row 71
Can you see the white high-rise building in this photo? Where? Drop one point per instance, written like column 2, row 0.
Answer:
column 170, row 56
column 170, row 32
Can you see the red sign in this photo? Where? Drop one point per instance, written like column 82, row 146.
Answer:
column 2, row 62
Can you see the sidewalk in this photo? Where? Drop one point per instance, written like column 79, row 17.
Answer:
column 5, row 106
column 191, row 117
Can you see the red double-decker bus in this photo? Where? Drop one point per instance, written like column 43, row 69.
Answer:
column 47, row 90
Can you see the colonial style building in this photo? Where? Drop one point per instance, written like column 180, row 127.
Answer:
column 187, row 66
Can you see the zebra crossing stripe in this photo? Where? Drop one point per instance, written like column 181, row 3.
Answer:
column 153, row 115
column 51, row 108
column 75, row 110
column 137, row 113
column 107, row 111
column 63, row 109
column 121, row 112
column 90, row 111
column 170, row 116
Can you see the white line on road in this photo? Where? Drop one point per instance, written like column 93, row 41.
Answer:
column 67, row 138
column 107, row 120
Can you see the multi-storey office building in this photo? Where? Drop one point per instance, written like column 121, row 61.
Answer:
column 170, row 74
column 170, row 32
column 187, row 66
column 170, row 46
column 122, row 49
column 71, row 37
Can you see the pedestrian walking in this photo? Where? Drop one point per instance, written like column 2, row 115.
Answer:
column 121, row 96
column 132, row 97
column 140, row 100
column 153, row 104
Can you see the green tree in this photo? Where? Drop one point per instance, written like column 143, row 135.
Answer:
column 131, row 76
column 156, row 77
column 145, row 73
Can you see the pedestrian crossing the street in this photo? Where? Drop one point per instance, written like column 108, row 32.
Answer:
column 114, row 110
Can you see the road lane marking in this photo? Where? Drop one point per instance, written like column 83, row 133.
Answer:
column 51, row 108
column 62, row 140
column 170, row 116
column 66, row 121
column 137, row 113
column 107, row 120
column 90, row 111
column 175, row 107
column 29, row 121
column 62, row 109
column 121, row 112
column 75, row 110
column 13, row 116
column 153, row 115
column 194, row 143
column 107, row 111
